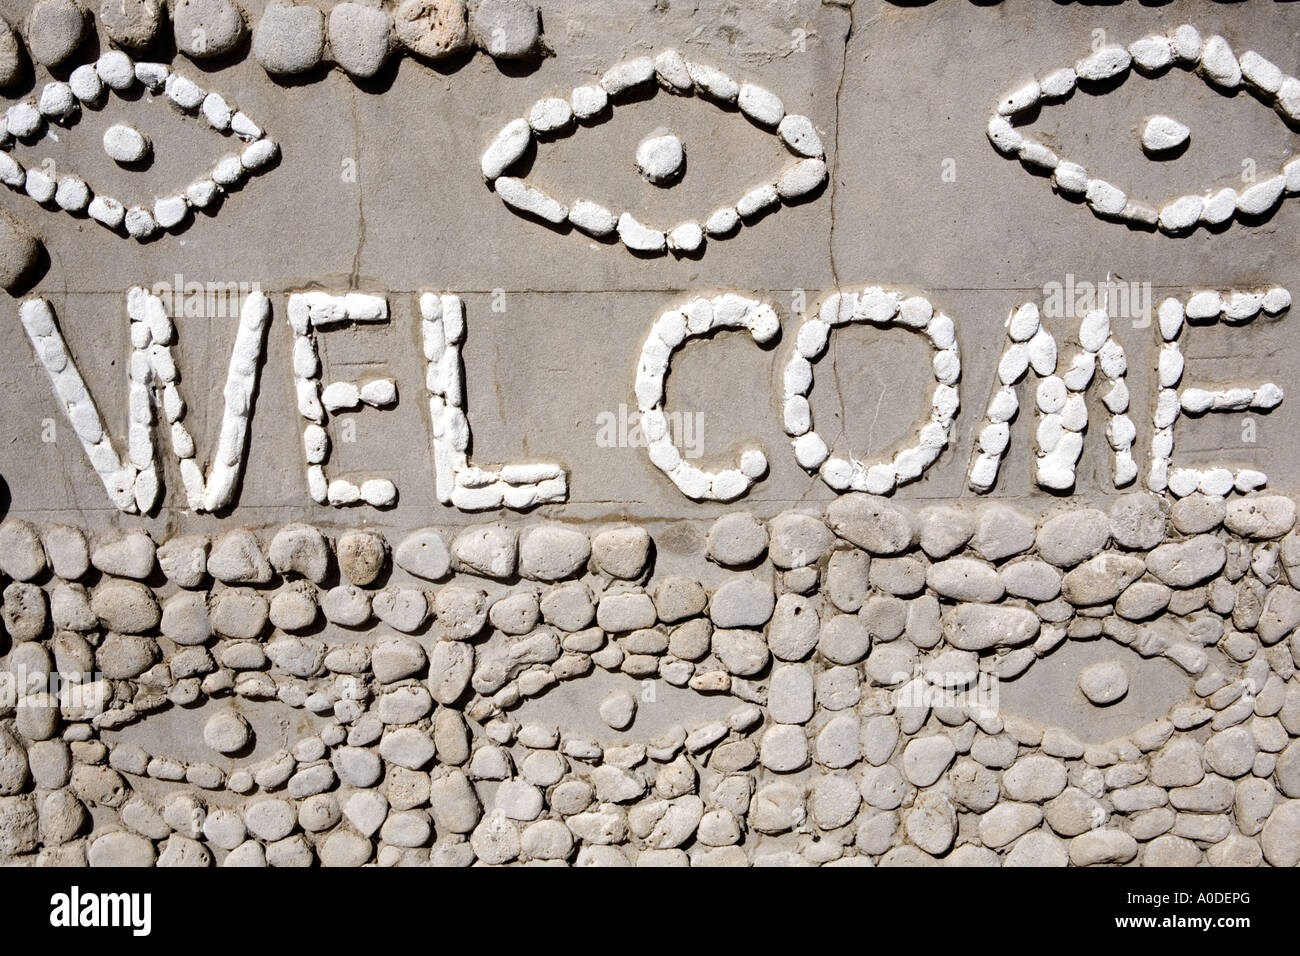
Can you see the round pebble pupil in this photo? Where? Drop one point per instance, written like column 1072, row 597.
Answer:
column 1163, row 134
column 1104, row 682
column 660, row 158
column 125, row 144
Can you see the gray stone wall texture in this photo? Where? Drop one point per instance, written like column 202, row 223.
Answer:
column 649, row 433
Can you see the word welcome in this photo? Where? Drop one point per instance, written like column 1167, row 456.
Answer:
column 132, row 483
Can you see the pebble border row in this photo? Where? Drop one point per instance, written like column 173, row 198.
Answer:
column 831, row 630
column 292, row 39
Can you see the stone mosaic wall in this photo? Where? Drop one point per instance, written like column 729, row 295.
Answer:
column 978, row 644
column 858, row 669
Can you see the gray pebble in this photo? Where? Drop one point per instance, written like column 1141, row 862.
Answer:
column 237, row 558
column 1137, row 521
column 361, row 555
column 288, row 39
column 965, row 579
column 424, row 554
column 736, row 539
column 360, row 38
column 22, row 557
column 552, row 552
column 874, row 524
column 1001, row 533
column 1187, row 563
column 66, row 549
column 797, row 540
column 622, row 552
column 19, row 249
column 508, row 29
column 1075, row 536
column 432, row 28
column 300, row 549
column 487, row 550
column 55, row 29
column 184, row 560
column 742, row 602
column 12, row 55
column 127, row 555
column 206, row 28
column 133, row 24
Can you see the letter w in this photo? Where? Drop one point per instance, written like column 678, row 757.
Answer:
column 132, row 484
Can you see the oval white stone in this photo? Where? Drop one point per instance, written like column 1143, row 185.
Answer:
column 125, row 144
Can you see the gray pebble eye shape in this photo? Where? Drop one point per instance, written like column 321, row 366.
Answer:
column 1105, row 698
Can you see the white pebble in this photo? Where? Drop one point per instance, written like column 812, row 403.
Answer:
column 588, row 101
column 57, row 101
column 1103, row 64
column 1219, row 64
column 184, row 92
column 140, row 223
column 340, row 395
column 722, row 221
column 39, row 186
column 116, row 70
column 686, row 237
column 638, row 237
column 106, row 211
column 592, row 218
column 762, row 106
column 659, row 158
column 1163, row 133
column 170, row 211
column 550, row 114
column 379, row 392
column 1152, row 53
column 86, row 83
column 72, row 195
column 519, row 195
column 125, row 144
column 1105, row 198
column 509, row 145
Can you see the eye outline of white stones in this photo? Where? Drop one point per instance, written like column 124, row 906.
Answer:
column 673, row 73
column 1098, row 348
column 457, row 481
column 674, row 327
column 308, row 312
column 1174, row 217
column 86, row 86
column 1172, row 314
column 132, row 485
column 882, row 308
column 1191, row 659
